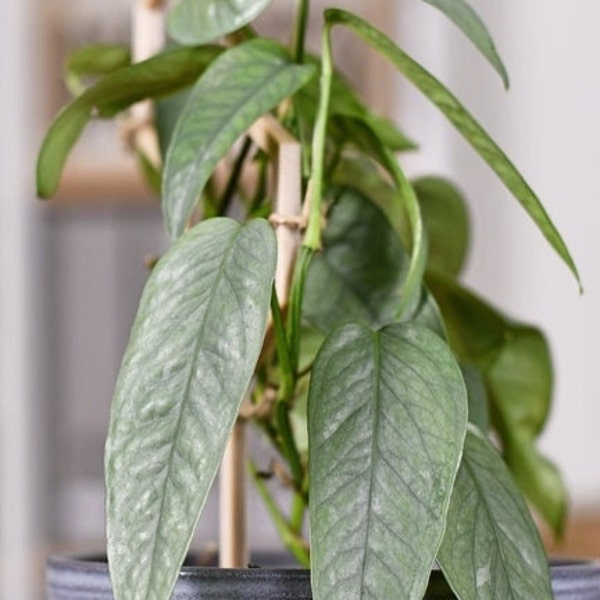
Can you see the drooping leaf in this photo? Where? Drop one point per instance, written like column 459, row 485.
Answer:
column 360, row 272
column 491, row 548
column 464, row 123
column 469, row 22
column 520, row 379
column 515, row 362
column 520, row 385
column 447, row 223
column 193, row 348
column 194, row 22
column 92, row 61
column 387, row 419
column 158, row 76
column 540, row 480
column 239, row 87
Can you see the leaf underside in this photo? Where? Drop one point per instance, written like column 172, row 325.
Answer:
column 192, row 352
column 387, row 418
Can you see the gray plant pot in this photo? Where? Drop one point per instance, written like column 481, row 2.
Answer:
column 72, row 579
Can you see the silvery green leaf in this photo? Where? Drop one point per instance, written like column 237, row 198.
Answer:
column 470, row 129
column 468, row 21
column 195, row 22
column 387, row 419
column 239, row 87
column 491, row 547
column 192, row 352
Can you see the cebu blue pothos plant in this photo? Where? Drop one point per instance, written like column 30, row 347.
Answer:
column 410, row 376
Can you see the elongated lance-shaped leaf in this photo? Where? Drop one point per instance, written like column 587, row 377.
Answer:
column 491, row 547
column 194, row 22
column 468, row 21
column 239, row 87
column 387, row 420
column 472, row 131
column 193, row 348
column 155, row 77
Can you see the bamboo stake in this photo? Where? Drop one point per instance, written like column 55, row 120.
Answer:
column 233, row 530
column 269, row 135
column 148, row 38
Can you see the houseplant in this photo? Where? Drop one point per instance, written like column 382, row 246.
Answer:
column 395, row 474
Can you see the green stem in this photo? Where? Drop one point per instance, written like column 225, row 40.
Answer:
column 285, row 396
column 234, row 178
column 414, row 280
column 292, row 540
column 288, row 443
column 300, row 24
column 305, row 255
column 283, row 352
column 297, row 514
column 312, row 239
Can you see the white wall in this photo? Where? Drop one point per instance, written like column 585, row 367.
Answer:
column 19, row 571
column 549, row 123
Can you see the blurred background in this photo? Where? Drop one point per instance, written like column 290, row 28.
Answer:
column 71, row 270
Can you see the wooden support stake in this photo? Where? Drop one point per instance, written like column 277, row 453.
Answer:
column 148, row 38
column 266, row 133
column 233, row 540
column 269, row 135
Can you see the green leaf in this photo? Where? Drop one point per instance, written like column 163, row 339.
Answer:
column 428, row 315
column 166, row 114
column 539, row 479
column 239, row 87
column 520, row 379
column 491, row 548
column 469, row 22
column 517, row 369
column 464, row 123
column 475, row 329
column 193, row 348
column 361, row 173
column 360, row 272
column 387, row 419
column 193, row 22
column 158, row 76
column 478, row 398
column 520, row 385
column 446, row 222
column 94, row 60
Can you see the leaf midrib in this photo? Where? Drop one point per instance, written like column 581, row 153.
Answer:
column 376, row 403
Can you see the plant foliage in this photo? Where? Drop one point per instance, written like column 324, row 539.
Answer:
column 380, row 381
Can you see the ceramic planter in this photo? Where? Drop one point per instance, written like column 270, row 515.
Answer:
column 72, row 579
